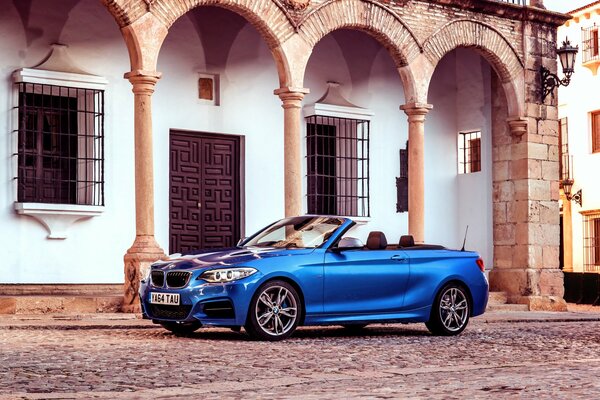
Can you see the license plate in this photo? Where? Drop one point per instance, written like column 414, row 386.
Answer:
column 164, row 298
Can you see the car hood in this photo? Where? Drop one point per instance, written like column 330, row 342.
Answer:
column 225, row 258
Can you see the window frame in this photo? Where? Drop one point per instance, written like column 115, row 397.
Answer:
column 465, row 159
column 55, row 217
column 595, row 131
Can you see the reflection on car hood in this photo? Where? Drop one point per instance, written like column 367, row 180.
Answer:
column 224, row 257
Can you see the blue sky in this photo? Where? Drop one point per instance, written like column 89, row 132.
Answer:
column 565, row 5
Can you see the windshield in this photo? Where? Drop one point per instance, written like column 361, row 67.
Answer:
column 298, row 232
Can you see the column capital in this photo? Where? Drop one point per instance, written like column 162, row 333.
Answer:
column 518, row 126
column 143, row 81
column 291, row 96
column 416, row 110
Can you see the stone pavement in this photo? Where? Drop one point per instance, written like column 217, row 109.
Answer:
column 116, row 356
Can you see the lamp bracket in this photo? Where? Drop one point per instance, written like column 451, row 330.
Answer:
column 551, row 81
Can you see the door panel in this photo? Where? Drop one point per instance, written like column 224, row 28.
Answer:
column 365, row 281
column 204, row 191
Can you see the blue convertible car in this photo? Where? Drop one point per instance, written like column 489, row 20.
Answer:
column 308, row 271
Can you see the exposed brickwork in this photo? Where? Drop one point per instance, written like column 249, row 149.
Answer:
column 379, row 21
column 467, row 33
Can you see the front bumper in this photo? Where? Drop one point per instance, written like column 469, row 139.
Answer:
column 213, row 304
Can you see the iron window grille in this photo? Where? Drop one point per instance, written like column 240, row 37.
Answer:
column 469, row 152
column 591, row 242
column 595, row 116
column 565, row 159
column 402, row 182
column 60, row 144
column 589, row 42
column 337, row 166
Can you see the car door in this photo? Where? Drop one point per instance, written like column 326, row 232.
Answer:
column 365, row 281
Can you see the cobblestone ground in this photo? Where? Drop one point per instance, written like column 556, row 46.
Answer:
column 499, row 360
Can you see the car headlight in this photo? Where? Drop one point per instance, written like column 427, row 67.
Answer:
column 226, row 274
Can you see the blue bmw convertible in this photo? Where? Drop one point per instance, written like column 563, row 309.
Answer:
column 308, row 271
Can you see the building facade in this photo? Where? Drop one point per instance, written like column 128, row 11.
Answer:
column 235, row 113
column 579, row 113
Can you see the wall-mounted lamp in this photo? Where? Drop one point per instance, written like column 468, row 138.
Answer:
column 567, row 185
column 566, row 54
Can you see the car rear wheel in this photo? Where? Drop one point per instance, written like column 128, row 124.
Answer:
column 274, row 312
column 450, row 311
column 181, row 328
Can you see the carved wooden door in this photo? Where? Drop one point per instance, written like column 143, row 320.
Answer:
column 204, row 191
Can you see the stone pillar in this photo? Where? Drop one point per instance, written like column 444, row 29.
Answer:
column 416, row 113
column 145, row 250
column 292, row 131
column 528, row 272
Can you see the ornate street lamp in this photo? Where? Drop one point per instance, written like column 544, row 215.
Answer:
column 550, row 81
column 567, row 186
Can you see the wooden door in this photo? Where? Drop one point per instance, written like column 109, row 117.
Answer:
column 204, row 191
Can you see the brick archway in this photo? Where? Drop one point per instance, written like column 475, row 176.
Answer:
column 373, row 18
column 268, row 17
column 491, row 44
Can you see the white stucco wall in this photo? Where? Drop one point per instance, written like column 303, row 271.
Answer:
column 460, row 93
column 576, row 102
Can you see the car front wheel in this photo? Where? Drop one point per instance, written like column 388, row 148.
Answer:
column 450, row 311
column 274, row 312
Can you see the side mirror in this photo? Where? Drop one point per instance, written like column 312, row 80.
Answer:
column 348, row 243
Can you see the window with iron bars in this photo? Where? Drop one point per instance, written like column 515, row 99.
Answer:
column 60, row 144
column 469, row 152
column 591, row 242
column 337, row 166
column 589, row 42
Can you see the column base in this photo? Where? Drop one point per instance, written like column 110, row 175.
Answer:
column 540, row 303
column 144, row 251
column 541, row 289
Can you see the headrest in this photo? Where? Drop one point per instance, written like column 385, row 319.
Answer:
column 376, row 241
column 406, row 241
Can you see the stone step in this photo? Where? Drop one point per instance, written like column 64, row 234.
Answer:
column 60, row 298
column 59, row 289
column 497, row 298
column 506, row 307
column 56, row 304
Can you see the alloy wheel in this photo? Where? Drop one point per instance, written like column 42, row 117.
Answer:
column 454, row 309
column 276, row 310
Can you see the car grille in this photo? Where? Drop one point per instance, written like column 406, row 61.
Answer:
column 158, row 278
column 177, row 279
column 170, row 312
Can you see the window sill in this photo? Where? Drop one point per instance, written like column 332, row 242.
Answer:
column 57, row 218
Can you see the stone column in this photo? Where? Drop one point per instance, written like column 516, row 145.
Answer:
column 416, row 113
column 292, row 131
column 145, row 250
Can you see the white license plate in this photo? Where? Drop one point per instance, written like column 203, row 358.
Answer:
column 164, row 298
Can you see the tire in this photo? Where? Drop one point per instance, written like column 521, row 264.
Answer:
column 450, row 312
column 181, row 329
column 274, row 312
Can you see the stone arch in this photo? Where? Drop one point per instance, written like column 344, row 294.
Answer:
column 375, row 19
column 491, row 44
column 267, row 16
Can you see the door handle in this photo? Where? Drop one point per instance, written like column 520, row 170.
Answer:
column 398, row 258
